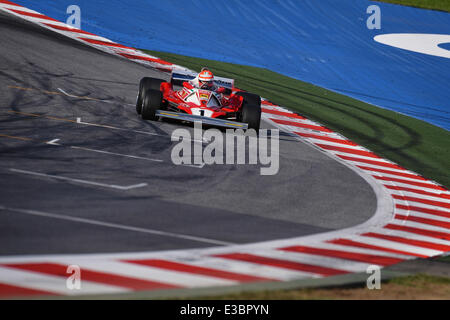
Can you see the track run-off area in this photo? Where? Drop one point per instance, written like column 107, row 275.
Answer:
column 86, row 182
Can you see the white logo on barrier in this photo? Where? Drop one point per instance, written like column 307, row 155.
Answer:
column 74, row 19
column 73, row 282
column 374, row 280
column 216, row 152
column 374, row 21
column 417, row 42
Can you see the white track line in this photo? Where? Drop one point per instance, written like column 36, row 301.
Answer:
column 114, row 186
column 116, row 154
column 132, row 156
column 131, row 130
column 116, row 226
column 53, row 142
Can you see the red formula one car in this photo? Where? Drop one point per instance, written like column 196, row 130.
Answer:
column 222, row 107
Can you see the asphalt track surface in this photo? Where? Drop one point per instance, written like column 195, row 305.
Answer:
column 180, row 207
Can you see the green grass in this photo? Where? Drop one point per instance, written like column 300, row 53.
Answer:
column 418, row 286
column 442, row 5
column 412, row 143
column 420, row 280
column 445, row 259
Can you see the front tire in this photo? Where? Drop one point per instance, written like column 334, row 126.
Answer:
column 250, row 98
column 146, row 84
column 152, row 101
column 250, row 112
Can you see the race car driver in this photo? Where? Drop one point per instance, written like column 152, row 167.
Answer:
column 205, row 81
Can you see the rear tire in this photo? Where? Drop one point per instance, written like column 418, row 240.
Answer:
column 146, row 84
column 152, row 101
column 250, row 112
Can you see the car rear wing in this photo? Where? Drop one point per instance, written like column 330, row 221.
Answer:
column 180, row 76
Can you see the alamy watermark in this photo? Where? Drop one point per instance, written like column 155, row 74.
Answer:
column 73, row 281
column 374, row 20
column 374, row 280
column 74, row 20
column 235, row 147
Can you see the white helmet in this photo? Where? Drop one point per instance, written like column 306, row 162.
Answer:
column 205, row 79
